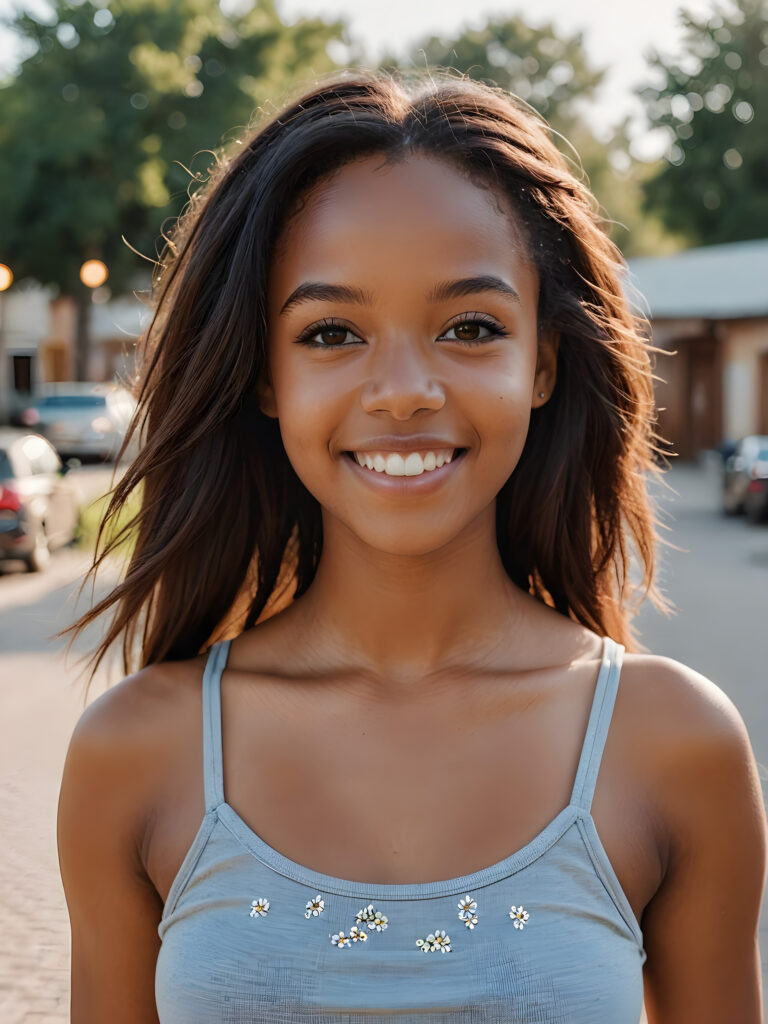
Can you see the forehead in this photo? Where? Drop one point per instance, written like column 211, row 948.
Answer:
column 419, row 217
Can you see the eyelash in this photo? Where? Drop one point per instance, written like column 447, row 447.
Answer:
column 491, row 324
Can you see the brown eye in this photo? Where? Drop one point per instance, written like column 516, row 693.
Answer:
column 468, row 331
column 329, row 335
column 473, row 330
column 332, row 335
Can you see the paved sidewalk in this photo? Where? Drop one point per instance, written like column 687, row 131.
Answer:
column 41, row 698
column 34, row 934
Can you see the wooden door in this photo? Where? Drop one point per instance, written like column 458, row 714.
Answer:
column 704, row 397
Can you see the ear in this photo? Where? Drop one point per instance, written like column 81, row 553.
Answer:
column 546, row 368
column 266, row 396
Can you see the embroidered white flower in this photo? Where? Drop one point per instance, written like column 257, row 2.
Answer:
column 467, row 908
column 315, row 907
column 357, row 934
column 340, row 939
column 374, row 918
column 434, row 941
column 519, row 916
column 259, row 908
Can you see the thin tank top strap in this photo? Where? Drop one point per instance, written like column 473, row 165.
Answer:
column 606, row 688
column 213, row 771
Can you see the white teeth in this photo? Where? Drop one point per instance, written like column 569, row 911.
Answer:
column 394, row 465
column 413, row 464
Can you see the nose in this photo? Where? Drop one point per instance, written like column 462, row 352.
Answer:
column 402, row 381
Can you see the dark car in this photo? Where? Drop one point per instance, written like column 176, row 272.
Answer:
column 38, row 506
column 745, row 478
column 82, row 419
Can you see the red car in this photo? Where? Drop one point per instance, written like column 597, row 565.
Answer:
column 38, row 506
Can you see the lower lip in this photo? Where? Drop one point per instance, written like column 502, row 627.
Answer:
column 424, row 483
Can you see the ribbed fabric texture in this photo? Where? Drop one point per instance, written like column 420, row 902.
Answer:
column 577, row 959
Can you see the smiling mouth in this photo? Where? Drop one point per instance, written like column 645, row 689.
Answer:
column 406, row 464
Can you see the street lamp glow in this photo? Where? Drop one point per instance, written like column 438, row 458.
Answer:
column 93, row 273
column 6, row 277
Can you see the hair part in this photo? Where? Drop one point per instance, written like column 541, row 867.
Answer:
column 226, row 531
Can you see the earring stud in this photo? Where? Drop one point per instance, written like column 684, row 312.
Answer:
column 542, row 394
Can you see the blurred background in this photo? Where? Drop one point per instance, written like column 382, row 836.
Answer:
column 111, row 113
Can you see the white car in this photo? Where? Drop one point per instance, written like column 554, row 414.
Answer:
column 82, row 418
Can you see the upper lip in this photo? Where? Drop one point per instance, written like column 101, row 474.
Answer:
column 393, row 443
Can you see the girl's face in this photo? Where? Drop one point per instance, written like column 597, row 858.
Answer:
column 403, row 335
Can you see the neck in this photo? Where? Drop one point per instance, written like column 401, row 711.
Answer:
column 401, row 618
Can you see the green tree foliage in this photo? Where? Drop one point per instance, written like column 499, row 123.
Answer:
column 552, row 74
column 114, row 102
column 547, row 71
column 713, row 102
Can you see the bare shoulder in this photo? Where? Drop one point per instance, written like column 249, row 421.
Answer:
column 690, row 740
column 691, row 743
column 132, row 716
column 109, row 788
column 124, row 739
column 678, row 709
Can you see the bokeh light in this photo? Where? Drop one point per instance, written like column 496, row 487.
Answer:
column 93, row 273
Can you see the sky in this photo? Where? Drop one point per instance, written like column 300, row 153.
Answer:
column 617, row 34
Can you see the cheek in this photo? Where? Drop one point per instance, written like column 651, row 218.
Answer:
column 502, row 418
column 308, row 414
column 501, row 409
column 305, row 423
column 503, row 436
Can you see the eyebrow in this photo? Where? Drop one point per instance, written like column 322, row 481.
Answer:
column 318, row 291
column 471, row 285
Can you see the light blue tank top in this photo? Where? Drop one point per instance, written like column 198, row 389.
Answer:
column 545, row 936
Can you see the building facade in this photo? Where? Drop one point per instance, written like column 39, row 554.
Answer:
column 37, row 342
column 708, row 310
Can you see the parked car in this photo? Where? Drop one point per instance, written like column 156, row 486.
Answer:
column 81, row 419
column 745, row 478
column 38, row 505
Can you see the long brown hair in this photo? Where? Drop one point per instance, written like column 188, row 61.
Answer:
column 225, row 526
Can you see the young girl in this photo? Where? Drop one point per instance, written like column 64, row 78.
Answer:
column 404, row 768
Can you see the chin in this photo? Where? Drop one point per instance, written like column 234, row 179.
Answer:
column 413, row 548
column 402, row 539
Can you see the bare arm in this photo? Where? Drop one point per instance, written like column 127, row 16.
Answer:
column 701, row 928
column 114, row 910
